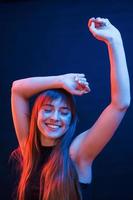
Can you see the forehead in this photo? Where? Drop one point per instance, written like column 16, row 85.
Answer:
column 59, row 102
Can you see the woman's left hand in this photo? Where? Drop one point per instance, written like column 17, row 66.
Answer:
column 103, row 30
column 75, row 83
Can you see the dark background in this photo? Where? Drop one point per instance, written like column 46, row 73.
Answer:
column 41, row 38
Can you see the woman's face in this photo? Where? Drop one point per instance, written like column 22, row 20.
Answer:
column 53, row 121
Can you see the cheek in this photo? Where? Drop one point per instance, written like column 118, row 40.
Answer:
column 42, row 116
column 68, row 121
column 38, row 122
column 40, row 119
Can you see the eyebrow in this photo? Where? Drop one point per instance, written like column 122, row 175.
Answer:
column 64, row 107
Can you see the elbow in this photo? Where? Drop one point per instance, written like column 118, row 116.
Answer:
column 123, row 106
column 126, row 104
column 15, row 87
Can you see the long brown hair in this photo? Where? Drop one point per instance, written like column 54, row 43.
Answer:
column 59, row 177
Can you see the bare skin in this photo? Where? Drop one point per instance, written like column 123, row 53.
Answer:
column 87, row 145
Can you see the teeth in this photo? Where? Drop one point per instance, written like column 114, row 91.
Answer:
column 52, row 126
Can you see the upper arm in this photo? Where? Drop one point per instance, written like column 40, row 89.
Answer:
column 89, row 144
column 20, row 113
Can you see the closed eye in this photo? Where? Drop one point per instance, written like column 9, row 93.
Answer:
column 65, row 111
column 47, row 108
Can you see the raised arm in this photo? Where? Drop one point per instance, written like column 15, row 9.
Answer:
column 23, row 89
column 90, row 143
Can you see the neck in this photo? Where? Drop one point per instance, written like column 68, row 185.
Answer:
column 47, row 141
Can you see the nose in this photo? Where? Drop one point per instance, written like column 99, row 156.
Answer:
column 55, row 115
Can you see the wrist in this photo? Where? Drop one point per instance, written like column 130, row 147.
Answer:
column 59, row 81
column 115, row 40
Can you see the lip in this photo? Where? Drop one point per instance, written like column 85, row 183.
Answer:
column 49, row 126
column 52, row 124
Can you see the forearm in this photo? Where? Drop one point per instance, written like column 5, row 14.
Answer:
column 120, row 86
column 30, row 86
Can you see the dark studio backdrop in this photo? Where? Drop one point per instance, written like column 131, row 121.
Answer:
column 41, row 38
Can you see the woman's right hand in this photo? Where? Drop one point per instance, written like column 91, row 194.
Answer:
column 75, row 83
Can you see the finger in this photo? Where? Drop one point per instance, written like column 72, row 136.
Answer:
column 78, row 76
column 81, row 75
column 84, row 87
column 87, row 85
column 99, row 22
column 107, row 21
column 97, row 18
column 83, row 84
column 100, row 19
column 92, row 27
column 82, row 80
column 103, row 21
column 90, row 21
column 78, row 92
column 87, row 88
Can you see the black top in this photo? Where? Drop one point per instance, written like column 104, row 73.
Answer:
column 32, row 189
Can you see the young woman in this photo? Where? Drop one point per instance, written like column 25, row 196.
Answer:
column 54, row 163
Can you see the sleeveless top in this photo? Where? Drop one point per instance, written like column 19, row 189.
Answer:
column 32, row 189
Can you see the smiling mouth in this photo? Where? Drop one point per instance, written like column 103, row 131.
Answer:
column 52, row 126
